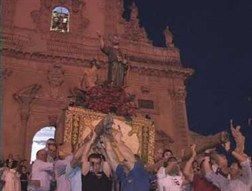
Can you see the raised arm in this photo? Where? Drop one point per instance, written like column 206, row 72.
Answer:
column 105, row 164
column 217, row 179
column 111, row 155
column 239, row 138
column 188, row 166
column 77, row 156
column 123, row 148
column 86, row 149
column 170, row 166
column 240, row 157
column 154, row 167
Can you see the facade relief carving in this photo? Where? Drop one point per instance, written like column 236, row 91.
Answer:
column 132, row 29
column 145, row 90
column 178, row 93
column 77, row 5
column 24, row 98
column 55, row 77
column 8, row 12
column 6, row 73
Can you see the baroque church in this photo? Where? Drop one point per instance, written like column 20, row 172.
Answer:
column 48, row 50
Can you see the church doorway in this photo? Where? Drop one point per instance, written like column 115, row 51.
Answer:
column 40, row 138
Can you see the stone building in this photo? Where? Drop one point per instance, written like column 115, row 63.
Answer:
column 47, row 47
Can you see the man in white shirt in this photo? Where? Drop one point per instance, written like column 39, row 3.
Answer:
column 169, row 176
column 41, row 171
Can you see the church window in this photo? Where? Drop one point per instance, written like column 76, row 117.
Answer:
column 40, row 138
column 60, row 19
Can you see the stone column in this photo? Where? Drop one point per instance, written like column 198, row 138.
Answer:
column 178, row 95
column 5, row 73
column 24, row 111
column 25, row 97
column 59, row 134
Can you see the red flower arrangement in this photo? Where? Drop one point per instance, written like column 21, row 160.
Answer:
column 106, row 99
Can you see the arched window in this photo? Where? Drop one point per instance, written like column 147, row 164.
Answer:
column 40, row 138
column 60, row 19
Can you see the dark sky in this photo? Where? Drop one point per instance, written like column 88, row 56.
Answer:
column 215, row 39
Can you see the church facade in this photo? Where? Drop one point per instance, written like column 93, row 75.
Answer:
column 47, row 50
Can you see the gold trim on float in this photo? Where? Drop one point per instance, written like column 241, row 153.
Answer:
column 138, row 134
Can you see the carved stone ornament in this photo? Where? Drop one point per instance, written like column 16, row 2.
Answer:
column 47, row 3
column 6, row 73
column 24, row 97
column 29, row 91
column 55, row 76
column 145, row 90
column 179, row 93
column 138, row 134
column 35, row 16
column 8, row 9
column 132, row 30
column 77, row 5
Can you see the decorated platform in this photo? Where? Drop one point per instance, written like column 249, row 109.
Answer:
column 138, row 133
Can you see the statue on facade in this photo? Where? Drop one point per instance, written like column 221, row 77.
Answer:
column 117, row 68
column 168, row 37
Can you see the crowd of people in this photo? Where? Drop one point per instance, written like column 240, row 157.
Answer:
column 106, row 164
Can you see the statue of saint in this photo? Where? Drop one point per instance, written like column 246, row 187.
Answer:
column 90, row 77
column 117, row 68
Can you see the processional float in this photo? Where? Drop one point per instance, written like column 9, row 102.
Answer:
column 105, row 106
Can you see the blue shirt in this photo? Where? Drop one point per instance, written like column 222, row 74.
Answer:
column 136, row 180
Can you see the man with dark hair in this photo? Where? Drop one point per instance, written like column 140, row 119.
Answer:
column 167, row 153
column 130, row 172
column 169, row 176
column 95, row 171
column 51, row 148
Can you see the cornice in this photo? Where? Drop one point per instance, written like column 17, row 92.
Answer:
column 148, row 68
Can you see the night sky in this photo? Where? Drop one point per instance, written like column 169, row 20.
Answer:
column 215, row 39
